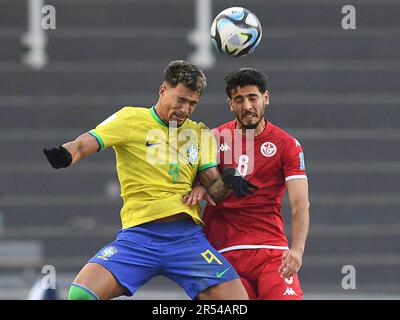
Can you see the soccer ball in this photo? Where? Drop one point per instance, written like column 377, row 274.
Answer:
column 236, row 31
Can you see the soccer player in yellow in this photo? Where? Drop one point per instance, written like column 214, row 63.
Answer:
column 159, row 154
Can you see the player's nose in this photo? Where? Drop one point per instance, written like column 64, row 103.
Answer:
column 185, row 109
column 247, row 106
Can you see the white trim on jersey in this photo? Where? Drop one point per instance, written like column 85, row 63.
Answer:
column 299, row 176
column 252, row 246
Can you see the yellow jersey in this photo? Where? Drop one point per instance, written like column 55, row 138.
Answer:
column 156, row 163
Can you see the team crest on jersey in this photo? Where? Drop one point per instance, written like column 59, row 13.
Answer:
column 107, row 253
column 268, row 149
column 193, row 154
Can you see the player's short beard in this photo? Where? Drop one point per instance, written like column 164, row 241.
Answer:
column 251, row 125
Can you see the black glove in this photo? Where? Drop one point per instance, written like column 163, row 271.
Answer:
column 236, row 182
column 58, row 157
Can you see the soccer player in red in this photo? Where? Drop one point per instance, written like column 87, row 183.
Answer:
column 250, row 231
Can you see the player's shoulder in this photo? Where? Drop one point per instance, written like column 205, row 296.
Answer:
column 192, row 124
column 281, row 135
column 130, row 110
column 132, row 114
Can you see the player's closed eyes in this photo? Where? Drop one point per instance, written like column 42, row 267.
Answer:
column 181, row 100
column 241, row 100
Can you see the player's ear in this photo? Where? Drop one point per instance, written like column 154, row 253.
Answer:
column 162, row 90
column 266, row 97
column 230, row 104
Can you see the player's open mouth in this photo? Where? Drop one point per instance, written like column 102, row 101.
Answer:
column 249, row 115
column 178, row 119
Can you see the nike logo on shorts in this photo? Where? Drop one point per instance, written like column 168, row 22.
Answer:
column 220, row 274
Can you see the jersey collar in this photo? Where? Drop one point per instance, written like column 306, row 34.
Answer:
column 267, row 128
column 162, row 123
column 156, row 117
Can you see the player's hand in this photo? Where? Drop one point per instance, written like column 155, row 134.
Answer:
column 291, row 263
column 198, row 193
column 58, row 157
column 237, row 182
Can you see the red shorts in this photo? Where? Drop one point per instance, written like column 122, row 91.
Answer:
column 258, row 270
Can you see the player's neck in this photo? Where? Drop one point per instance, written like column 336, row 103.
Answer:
column 159, row 115
column 258, row 130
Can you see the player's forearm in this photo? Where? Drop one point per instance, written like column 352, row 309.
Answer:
column 300, row 225
column 81, row 147
column 212, row 181
column 218, row 190
column 75, row 149
column 219, row 185
column 71, row 152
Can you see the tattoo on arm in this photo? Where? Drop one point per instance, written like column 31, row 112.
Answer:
column 211, row 180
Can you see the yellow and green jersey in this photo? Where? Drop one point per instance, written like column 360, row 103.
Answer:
column 156, row 164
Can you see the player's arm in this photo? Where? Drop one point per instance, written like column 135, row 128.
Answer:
column 211, row 180
column 72, row 152
column 299, row 203
column 219, row 186
column 198, row 193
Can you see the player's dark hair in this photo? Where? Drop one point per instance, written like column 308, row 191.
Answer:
column 180, row 71
column 245, row 77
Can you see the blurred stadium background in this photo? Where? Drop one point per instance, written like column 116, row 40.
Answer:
column 336, row 90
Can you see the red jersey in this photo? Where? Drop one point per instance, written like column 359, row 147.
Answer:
column 254, row 221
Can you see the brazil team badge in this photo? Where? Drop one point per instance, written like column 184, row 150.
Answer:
column 193, row 154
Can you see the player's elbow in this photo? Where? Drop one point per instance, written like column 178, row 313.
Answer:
column 301, row 206
column 85, row 145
